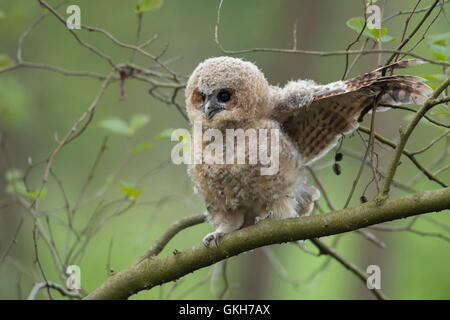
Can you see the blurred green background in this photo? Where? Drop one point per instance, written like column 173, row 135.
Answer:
column 40, row 104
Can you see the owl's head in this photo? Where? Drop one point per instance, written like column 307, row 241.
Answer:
column 225, row 89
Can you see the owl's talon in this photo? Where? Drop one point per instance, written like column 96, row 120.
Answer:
column 212, row 236
column 259, row 219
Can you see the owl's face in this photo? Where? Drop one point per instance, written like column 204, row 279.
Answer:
column 223, row 90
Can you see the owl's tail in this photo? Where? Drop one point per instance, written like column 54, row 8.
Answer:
column 306, row 196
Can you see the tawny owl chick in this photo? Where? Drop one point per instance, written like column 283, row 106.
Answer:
column 228, row 93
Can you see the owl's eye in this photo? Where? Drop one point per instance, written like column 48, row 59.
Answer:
column 224, row 96
column 203, row 96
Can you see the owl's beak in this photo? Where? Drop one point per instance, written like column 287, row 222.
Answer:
column 211, row 109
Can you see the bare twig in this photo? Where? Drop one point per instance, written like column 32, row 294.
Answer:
column 316, row 53
column 52, row 285
column 324, row 249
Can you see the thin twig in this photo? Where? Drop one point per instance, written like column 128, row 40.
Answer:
column 324, row 249
column 52, row 285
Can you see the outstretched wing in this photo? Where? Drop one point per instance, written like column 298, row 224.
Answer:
column 315, row 116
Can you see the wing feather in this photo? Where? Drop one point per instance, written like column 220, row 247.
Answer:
column 316, row 116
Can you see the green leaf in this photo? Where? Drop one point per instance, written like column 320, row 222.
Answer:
column 433, row 86
column 439, row 44
column 440, row 39
column 376, row 33
column 439, row 55
column 384, row 37
column 137, row 121
column 357, row 24
column 142, row 147
column 434, row 80
column 148, row 5
column 430, row 77
column 166, row 133
column 5, row 60
column 119, row 126
column 33, row 194
column 13, row 174
column 388, row 38
column 19, row 188
column 130, row 190
column 115, row 125
column 2, row 14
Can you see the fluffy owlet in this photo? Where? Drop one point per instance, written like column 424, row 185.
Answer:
column 228, row 93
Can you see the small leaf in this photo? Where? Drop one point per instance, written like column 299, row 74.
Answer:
column 433, row 86
column 13, row 174
column 357, row 24
column 440, row 42
column 430, row 77
column 166, row 133
column 434, row 80
column 130, row 190
column 377, row 33
column 5, row 60
column 137, row 121
column 115, row 125
column 142, row 147
column 384, row 37
column 439, row 39
column 439, row 55
column 148, row 5
column 388, row 38
column 33, row 194
column 17, row 187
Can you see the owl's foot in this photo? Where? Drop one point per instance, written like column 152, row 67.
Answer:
column 212, row 236
column 259, row 219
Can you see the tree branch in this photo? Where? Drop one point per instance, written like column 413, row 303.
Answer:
column 324, row 249
column 155, row 270
column 176, row 227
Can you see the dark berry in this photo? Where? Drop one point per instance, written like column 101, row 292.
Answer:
column 337, row 168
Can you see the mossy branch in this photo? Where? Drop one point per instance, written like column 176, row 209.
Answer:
column 155, row 270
